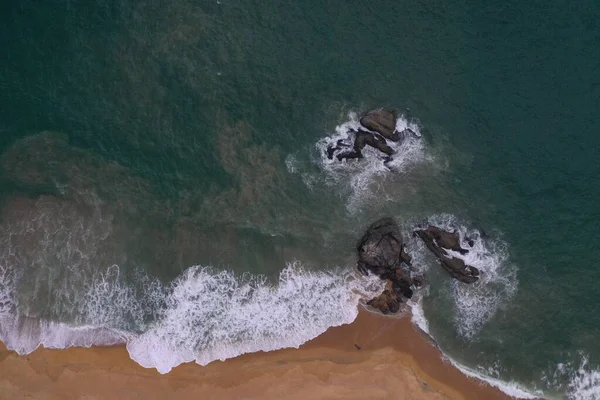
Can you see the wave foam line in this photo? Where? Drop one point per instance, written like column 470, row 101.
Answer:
column 216, row 316
column 584, row 383
column 204, row 315
column 510, row 388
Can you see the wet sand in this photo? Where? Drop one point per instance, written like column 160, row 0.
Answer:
column 374, row 357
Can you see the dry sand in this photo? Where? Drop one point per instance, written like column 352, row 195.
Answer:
column 374, row 357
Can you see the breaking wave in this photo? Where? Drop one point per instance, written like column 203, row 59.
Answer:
column 512, row 389
column 584, row 384
column 202, row 316
column 578, row 378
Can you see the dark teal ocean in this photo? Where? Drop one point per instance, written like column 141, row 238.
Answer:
column 163, row 182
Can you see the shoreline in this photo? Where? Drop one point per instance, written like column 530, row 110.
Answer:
column 375, row 357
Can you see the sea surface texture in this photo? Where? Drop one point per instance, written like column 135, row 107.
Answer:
column 163, row 181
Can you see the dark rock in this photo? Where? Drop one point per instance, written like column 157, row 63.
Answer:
column 405, row 257
column 380, row 248
column 362, row 139
column 408, row 131
column 331, row 149
column 454, row 266
column 349, row 155
column 383, row 122
column 447, row 240
column 401, row 283
column 387, row 302
column 418, row 281
column 381, row 251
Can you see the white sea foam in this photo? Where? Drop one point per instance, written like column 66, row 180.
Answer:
column 103, row 306
column 510, row 388
column 214, row 316
column 477, row 303
column 418, row 314
column 575, row 377
column 24, row 334
column 204, row 315
column 58, row 289
column 585, row 382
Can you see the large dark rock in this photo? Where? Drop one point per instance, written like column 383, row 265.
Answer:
column 453, row 265
column 383, row 122
column 381, row 251
column 388, row 301
column 361, row 139
column 447, row 240
column 402, row 282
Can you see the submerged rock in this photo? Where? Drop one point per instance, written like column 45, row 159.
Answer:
column 437, row 240
column 381, row 251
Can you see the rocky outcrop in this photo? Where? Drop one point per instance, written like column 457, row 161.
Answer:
column 446, row 240
column 383, row 122
column 381, row 251
column 382, row 127
column 362, row 139
column 379, row 248
column 387, row 302
column 437, row 241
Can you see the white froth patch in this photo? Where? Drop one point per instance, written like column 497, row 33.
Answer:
column 418, row 314
column 215, row 316
column 512, row 389
column 476, row 303
column 104, row 308
column 576, row 378
column 291, row 163
column 585, row 383
column 203, row 316
column 7, row 291
column 27, row 334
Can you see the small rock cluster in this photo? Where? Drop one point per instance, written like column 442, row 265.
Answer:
column 381, row 127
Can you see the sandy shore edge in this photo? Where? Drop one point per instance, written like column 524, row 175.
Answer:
column 375, row 357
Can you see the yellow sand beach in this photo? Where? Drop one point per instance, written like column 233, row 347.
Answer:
column 375, row 357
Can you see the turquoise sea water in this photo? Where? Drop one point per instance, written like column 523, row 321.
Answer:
column 163, row 184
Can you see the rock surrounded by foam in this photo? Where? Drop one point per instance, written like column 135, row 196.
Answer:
column 438, row 241
column 381, row 127
column 381, row 251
